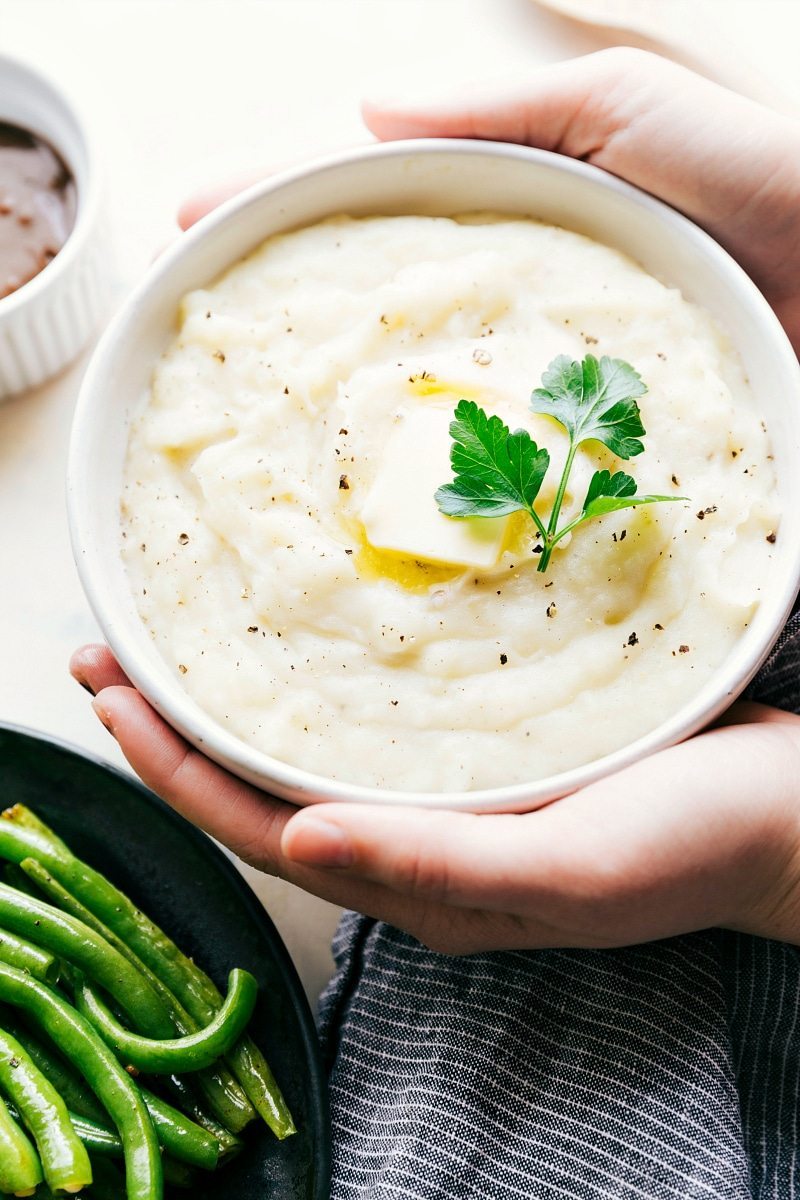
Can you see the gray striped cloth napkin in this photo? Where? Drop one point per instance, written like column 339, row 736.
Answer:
column 669, row 1071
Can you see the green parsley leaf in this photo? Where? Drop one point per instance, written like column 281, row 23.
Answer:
column 499, row 472
column 496, row 471
column 594, row 401
column 609, row 493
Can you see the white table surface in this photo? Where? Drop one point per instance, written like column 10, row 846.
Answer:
column 178, row 94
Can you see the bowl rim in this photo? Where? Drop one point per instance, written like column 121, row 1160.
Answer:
column 87, row 191
column 295, row 783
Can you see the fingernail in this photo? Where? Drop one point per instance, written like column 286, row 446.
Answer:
column 86, row 687
column 103, row 715
column 319, row 843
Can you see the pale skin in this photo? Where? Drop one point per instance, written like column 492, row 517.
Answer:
column 704, row 834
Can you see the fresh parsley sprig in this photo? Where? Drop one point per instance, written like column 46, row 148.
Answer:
column 499, row 472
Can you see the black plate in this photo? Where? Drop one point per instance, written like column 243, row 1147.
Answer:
column 189, row 887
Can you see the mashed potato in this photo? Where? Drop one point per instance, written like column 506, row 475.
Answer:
column 274, row 412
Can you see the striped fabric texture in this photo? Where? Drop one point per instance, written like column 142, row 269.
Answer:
column 669, row 1071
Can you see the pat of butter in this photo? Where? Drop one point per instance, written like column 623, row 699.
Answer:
column 400, row 513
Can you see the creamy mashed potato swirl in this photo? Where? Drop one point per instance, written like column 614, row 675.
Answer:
column 271, row 416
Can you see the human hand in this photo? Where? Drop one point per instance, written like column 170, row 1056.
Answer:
column 705, row 833
column 730, row 164
column 702, row 834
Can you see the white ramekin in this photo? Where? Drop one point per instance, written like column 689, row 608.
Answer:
column 48, row 321
column 438, row 177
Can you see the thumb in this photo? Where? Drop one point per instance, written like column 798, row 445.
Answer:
column 630, row 112
column 535, row 109
column 723, row 160
column 572, row 107
column 432, row 856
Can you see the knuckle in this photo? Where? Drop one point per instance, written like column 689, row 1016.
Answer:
column 623, row 61
column 445, row 932
column 426, row 874
column 257, row 841
column 176, row 771
column 254, row 839
column 439, row 943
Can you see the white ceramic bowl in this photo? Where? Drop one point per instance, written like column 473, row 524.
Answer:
column 430, row 177
column 48, row 321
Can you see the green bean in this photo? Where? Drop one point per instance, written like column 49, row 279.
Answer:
column 189, row 983
column 23, row 835
column 17, row 952
column 176, row 1134
column 18, row 840
column 96, row 1138
column 180, row 1088
column 180, row 1136
column 64, row 1160
column 27, row 819
column 178, row 1174
column 20, row 1169
column 78, row 1099
column 58, row 932
column 179, row 1054
column 261, row 1087
column 110, row 1083
column 15, row 877
column 175, row 1131
column 222, row 1092
column 187, row 1143
column 86, row 949
column 185, row 1137
column 103, row 1142
column 112, row 1187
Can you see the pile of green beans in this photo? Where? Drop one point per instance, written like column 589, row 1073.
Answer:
column 93, row 996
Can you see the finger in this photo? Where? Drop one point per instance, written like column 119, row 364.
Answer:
column 536, row 110
column 424, row 853
column 258, row 829
column 210, row 198
column 468, row 883
column 670, row 844
column 573, row 107
column 94, row 668
column 204, row 201
column 634, row 114
column 222, row 805
column 243, row 818
column 534, row 871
